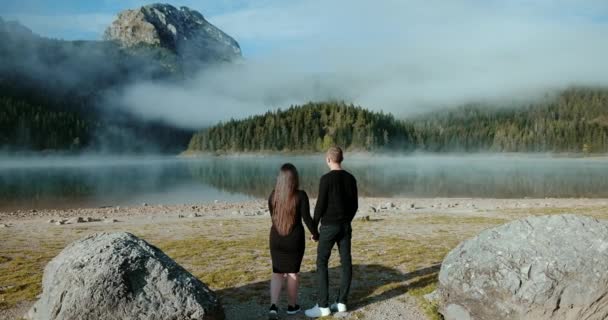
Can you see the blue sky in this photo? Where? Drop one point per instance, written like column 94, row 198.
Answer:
column 262, row 26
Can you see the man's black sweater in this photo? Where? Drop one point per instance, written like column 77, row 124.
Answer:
column 337, row 200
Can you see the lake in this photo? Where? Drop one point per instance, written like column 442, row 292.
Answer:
column 65, row 182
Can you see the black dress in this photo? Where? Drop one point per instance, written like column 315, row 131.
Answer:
column 287, row 251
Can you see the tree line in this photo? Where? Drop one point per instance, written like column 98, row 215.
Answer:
column 52, row 95
column 574, row 121
column 32, row 127
column 310, row 127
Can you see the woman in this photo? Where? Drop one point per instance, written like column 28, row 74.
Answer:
column 288, row 206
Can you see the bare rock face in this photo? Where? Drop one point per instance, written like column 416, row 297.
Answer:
column 119, row 276
column 183, row 31
column 550, row 267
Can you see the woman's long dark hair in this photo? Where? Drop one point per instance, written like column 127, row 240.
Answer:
column 285, row 198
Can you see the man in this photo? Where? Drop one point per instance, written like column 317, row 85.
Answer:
column 336, row 206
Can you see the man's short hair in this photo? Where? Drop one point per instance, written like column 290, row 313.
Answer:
column 335, row 154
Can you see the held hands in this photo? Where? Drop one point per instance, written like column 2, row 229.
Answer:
column 313, row 238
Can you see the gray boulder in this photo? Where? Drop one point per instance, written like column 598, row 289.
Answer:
column 75, row 220
column 119, row 276
column 182, row 31
column 550, row 267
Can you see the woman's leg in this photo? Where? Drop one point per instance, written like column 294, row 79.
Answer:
column 293, row 283
column 276, row 284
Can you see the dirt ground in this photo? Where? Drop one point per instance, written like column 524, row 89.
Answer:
column 398, row 246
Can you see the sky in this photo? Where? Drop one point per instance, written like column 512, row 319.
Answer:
column 261, row 26
column 87, row 20
column 399, row 56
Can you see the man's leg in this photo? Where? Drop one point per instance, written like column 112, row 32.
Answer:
column 344, row 245
column 327, row 237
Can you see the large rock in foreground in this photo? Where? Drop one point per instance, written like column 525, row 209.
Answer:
column 550, row 267
column 183, row 31
column 119, row 276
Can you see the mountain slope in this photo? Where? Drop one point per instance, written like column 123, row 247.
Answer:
column 576, row 121
column 52, row 79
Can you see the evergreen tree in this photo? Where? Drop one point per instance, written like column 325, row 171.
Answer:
column 311, row 127
column 577, row 121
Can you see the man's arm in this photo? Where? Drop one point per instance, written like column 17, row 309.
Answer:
column 321, row 205
column 270, row 202
column 355, row 199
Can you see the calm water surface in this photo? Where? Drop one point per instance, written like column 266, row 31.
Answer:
column 52, row 182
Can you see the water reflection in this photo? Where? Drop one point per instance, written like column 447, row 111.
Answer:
column 423, row 176
column 77, row 182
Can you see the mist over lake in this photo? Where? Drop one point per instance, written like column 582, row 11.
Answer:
column 70, row 182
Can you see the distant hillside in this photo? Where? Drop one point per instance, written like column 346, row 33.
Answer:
column 311, row 127
column 36, row 128
column 52, row 92
column 577, row 121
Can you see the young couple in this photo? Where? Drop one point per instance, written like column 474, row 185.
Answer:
column 336, row 206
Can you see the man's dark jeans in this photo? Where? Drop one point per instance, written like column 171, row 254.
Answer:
column 328, row 236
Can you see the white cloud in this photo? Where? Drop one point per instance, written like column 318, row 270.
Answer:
column 399, row 56
column 70, row 26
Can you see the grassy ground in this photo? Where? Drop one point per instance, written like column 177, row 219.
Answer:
column 394, row 256
column 598, row 212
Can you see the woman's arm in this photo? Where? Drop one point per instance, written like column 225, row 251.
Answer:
column 305, row 211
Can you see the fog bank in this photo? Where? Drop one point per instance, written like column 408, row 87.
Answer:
column 403, row 57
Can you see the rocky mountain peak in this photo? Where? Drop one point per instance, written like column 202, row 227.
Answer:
column 15, row 28
column 183, row 31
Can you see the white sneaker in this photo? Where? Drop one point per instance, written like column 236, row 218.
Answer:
column 338, row 307
column 316, row 312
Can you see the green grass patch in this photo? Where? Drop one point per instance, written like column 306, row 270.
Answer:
column 221, row 263
column 457, row 220
column 21, row 276
column 430, row 309
column 600, row 212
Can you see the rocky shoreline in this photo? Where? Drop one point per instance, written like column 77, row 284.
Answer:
column 367, row 206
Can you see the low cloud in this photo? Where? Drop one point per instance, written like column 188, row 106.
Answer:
column 68, row 27
column 404, row 57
